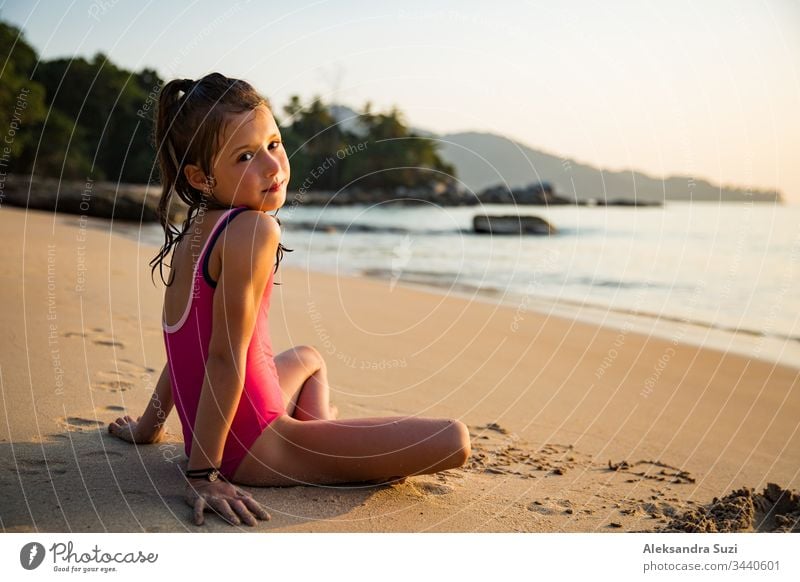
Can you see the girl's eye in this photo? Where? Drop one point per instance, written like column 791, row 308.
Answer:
column 272, row 146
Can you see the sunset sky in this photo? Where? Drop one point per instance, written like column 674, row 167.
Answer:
column 709, row 89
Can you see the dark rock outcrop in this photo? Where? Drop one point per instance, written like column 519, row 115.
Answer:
column 511, row 224
column 129, row 202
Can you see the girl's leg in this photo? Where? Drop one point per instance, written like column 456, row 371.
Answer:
column 289, row 452
column 304, row 382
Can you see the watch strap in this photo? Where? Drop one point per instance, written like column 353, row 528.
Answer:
column 209, row 474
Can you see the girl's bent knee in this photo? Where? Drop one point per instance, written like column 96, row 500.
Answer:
column 460, row 446
column 310, row 357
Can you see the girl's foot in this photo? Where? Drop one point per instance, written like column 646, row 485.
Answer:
column 333, row 412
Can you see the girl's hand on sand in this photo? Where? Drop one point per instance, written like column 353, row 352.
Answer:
column 228, row 501
column 130, row 430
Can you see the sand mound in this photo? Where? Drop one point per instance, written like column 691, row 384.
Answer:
column 743, row 510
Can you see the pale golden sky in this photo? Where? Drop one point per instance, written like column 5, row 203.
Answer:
column 709, row 89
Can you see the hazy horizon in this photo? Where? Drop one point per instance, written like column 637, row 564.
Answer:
column 703, row 91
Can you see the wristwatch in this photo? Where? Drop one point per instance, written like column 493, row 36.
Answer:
column 210, row 474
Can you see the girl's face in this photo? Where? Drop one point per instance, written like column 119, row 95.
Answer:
column 252, row 168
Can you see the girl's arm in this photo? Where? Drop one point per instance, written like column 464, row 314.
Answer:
column 149, row 428
column 237, row 298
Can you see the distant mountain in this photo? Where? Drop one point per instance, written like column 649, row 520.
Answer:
column 486, row 159
column 482, row 160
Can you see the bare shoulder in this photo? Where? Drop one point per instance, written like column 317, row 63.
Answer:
column 251, row 243
column 254, row 226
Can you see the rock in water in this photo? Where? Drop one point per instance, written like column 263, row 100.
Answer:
column 511, row 224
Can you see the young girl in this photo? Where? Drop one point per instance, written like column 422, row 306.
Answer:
column 249, row 417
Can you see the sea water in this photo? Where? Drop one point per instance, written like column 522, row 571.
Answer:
column 730, row 272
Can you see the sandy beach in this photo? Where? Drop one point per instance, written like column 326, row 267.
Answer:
column 575, row 427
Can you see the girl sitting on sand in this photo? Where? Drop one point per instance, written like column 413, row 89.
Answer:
column 249, row 417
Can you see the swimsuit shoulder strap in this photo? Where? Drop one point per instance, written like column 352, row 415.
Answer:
column 212, row 239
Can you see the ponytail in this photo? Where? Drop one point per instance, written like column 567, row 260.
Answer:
column 169, row 166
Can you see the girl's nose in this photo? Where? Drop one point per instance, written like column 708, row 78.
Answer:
column 271, row 163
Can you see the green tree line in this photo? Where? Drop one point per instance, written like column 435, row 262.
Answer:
column 78, row 118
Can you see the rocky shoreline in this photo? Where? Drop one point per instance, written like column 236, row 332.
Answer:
column 139, row 202
column 133, row 202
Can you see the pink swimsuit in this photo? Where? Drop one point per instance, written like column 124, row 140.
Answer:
column 187, row 349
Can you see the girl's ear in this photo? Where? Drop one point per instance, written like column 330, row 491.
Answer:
column 196, row 177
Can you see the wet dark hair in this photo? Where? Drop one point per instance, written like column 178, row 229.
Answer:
column 190, row 122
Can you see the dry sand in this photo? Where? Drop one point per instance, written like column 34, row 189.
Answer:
column 574, row 427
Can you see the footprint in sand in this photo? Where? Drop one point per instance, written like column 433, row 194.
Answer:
column 129, row 367
column 125, row 375
column 115, row 385
column 96, row 335
column 428, row 488
column 497, row 451
column 446, row 476
column 78, row 424
column 36, row 467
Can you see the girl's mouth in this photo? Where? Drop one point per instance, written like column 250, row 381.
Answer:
column 275, row 187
